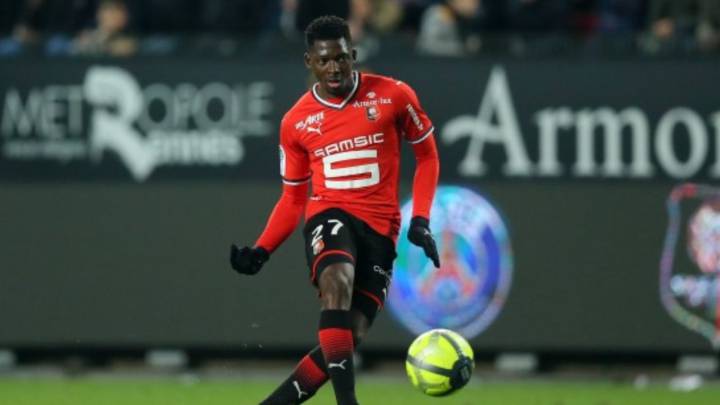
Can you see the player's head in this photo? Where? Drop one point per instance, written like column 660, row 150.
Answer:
column 330, row 55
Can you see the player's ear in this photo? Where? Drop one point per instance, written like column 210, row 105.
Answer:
column 306, row 57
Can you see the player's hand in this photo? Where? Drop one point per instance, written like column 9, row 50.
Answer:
column 247, row 260
column 419, row 234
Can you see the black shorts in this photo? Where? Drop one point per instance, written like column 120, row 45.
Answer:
column 334, row 236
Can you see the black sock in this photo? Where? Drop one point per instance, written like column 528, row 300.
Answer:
column 309, row 375
column 336, row 341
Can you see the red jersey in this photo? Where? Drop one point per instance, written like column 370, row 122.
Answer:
column 350, row 148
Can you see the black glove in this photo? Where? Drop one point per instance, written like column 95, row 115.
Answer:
column 248, row 260
column 419, row 234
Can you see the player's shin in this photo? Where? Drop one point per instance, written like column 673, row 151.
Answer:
column 336, row 340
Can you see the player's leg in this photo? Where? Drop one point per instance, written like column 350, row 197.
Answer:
column 333, row 358
column 360, row 286
column 328, row 244
column 304, row 381
column 331, row 253
column 311, row 373
column 335, row 283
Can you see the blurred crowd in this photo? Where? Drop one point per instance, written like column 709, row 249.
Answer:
column 436, row 27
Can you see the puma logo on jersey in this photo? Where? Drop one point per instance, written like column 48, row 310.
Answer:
column 340, row 365
column 300, row 392
column 314, row 129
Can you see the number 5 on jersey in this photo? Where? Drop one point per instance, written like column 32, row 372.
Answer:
column 372, row 169
column 317, row 241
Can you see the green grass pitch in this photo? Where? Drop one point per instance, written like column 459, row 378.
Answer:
column 371, row 391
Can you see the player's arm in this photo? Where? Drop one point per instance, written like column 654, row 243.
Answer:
column 287, row 213
column 284, row 217
column 418, row 130
column 427, row 171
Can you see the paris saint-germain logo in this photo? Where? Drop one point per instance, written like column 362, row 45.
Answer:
column 468, row 291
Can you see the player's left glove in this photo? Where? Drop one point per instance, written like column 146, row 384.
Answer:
column 419, row 234
column 248, row 260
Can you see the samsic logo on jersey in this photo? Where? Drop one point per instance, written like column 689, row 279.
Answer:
column 690, row 264
column 468, row 291
column 350, row 144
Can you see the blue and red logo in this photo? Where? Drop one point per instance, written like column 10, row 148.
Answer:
column 468, row 291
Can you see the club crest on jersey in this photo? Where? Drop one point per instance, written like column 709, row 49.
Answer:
column 311, row 123
column 373, row 113
column 318, row 246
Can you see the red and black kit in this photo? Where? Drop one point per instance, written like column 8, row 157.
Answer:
column 349, row 151
column 334, row 236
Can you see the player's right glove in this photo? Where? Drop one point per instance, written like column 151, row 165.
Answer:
column 248, row 260
column 419, row 234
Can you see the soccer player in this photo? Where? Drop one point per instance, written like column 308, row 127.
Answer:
column 343, row 136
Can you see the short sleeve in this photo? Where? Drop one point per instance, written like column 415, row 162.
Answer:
column 414, row 123
column 294, row 164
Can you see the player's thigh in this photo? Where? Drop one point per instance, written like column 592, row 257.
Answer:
column 373, row 273
column 329, row 239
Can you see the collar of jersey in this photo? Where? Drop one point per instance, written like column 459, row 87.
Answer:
column 356, row 85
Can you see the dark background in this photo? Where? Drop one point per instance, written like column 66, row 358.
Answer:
column 91, row 258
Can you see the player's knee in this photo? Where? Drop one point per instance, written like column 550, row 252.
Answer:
column 336, row 285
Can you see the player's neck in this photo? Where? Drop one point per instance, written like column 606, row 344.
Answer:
column 341, row 93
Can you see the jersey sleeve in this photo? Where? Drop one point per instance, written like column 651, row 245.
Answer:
column 427, row 171
column 295, row 172
column 294, row 163
column 284, row 217
column 414, row 124
column 417, row 129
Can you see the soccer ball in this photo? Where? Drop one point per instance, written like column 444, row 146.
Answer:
column 439, row 362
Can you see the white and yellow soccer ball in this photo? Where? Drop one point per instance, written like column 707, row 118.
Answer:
column 439, row 362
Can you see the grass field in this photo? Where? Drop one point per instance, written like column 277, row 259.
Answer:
column 371, row 391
